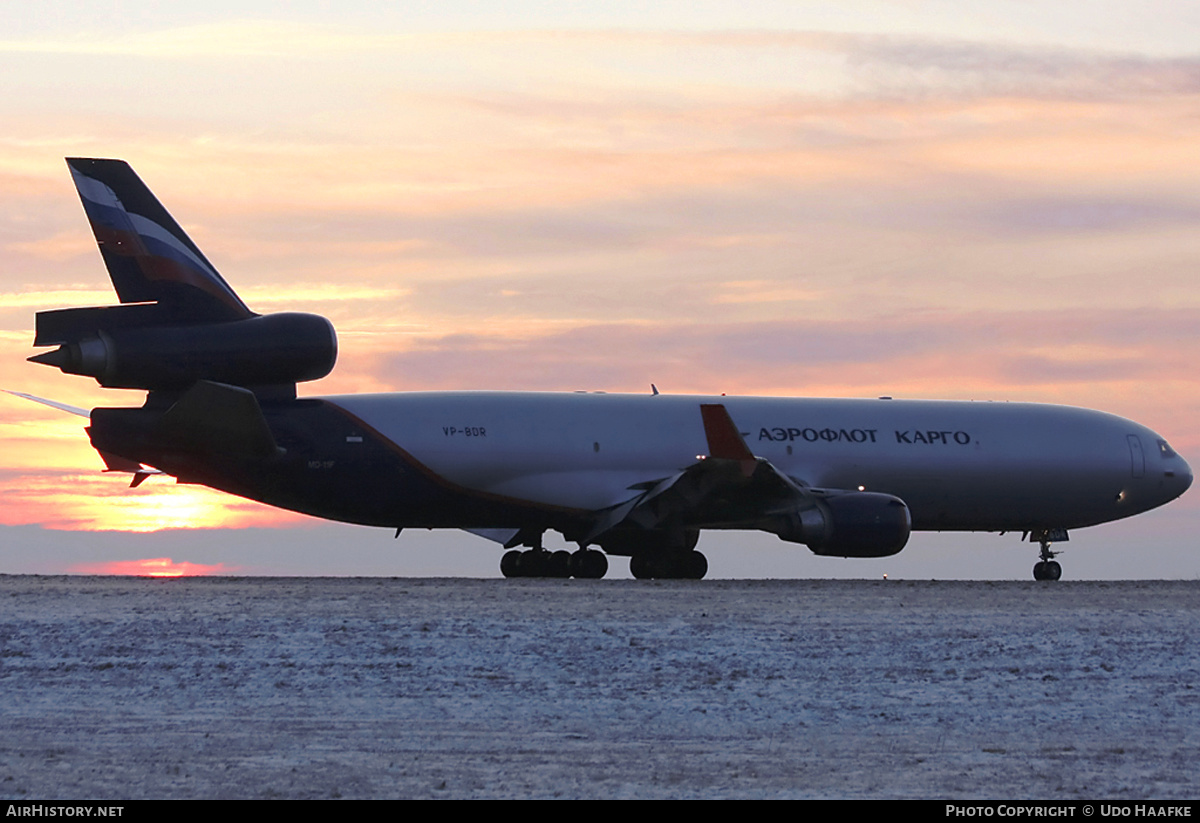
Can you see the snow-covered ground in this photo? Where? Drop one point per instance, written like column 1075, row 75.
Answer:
column 317, row 687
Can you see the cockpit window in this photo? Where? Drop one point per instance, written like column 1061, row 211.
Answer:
column 1164, row 449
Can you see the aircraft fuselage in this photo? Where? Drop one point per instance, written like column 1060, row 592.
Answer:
column 492, row 459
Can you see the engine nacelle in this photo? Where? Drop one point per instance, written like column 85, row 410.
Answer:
column 273, row 349
column 854, row 524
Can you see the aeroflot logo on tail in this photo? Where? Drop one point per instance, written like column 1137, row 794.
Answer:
column 909, row 436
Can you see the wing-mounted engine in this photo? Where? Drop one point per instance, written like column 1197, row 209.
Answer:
column 849, row 524
column 732, row 488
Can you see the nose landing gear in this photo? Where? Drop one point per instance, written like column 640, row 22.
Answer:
column 1048, row 568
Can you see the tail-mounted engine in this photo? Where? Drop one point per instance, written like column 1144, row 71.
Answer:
column 180, row 322
column 141, row 347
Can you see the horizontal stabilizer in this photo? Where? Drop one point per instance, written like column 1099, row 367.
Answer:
column 219, row 419
column 54, row 404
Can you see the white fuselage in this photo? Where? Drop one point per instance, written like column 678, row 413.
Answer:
column 975, row 466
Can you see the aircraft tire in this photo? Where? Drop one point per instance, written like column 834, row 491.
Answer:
column 510, row 564
column 589, row 564
column 661, row 567
column 640, row 567
column 558, row 564
column 597, row 564
column 1049, row 570
column 687, row 566
column 533, row 564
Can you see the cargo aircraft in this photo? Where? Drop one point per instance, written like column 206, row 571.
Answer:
column 617, row 474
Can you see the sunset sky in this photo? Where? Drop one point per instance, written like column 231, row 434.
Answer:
column 940, row 200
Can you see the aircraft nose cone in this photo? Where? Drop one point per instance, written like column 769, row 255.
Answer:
column 1183, row 475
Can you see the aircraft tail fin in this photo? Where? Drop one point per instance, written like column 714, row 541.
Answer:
column 180, row 322
column 149, row 257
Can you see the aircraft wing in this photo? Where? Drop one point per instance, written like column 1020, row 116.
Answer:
column 728, row 486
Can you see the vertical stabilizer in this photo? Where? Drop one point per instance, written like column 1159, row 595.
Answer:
column 180, row 322
column 149, row 257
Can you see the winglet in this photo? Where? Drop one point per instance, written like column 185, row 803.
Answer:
column 724, row 440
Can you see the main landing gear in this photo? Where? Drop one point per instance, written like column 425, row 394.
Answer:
column 683, row 565
column 588, row 564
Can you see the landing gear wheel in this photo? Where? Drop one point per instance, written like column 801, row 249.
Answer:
column 589, row 564
column 585, row 563
column 510, row 564
column 695, row 566
column 558, row 564
column 1053, row 570
column 533, row 563
column 639, row 567
column 676, row 566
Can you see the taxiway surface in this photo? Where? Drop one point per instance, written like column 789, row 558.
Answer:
column 366, row 687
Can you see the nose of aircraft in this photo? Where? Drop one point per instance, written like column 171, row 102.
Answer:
column 1176, row 473
column 1166, row 474
column 1183, row 476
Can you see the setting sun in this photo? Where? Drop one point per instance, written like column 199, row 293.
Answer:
column 151, row 567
